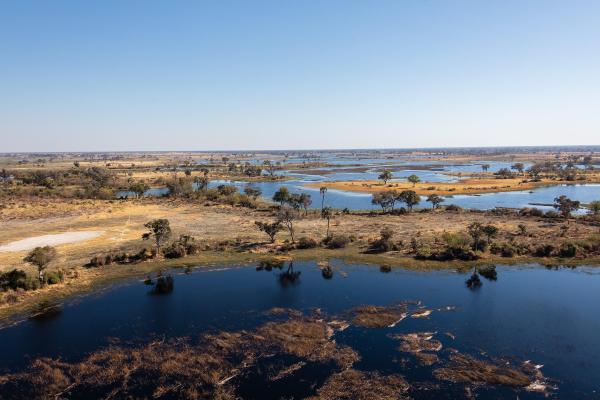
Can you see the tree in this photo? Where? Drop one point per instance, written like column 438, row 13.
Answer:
column 270, row 229
column 281, row 196
column 485, row 167
column 504, row 173
column 227, row 190
column 202, row 181
column 41, row 257
column 410, row 198
column 252, row 192
column 139, row 188
column 518, row 166
column 595, row 207
column 322, row 191
column 385, row 200
column 327, row 213
column 565, row 205
column 435, row 200
column 490, row 231
column 385, row 176
column 475, row 230
column 294, row 201
column 414, row 179
column 269, row 166
column 305, row 201
column 287, row 215
column 160, row 230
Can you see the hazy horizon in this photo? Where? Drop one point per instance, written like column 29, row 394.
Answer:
column 236, row 76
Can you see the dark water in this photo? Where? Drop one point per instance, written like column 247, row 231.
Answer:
column 548, row 316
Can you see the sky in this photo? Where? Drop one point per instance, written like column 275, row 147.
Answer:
column 244, row 75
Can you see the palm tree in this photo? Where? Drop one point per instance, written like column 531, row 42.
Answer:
column 327, row 213
column 322, row 190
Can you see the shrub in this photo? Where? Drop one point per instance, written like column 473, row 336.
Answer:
column 307, row 243
column 384, row 243
column 11, row 297
column 544, row 250
column 568, row 250
column 18, row 279
column 453, row 208
column 54, row 277
column 247, row 201
column 488, row 272
column 551, row 214
column 96, row 261
column 337, row 241
column 185, row 245
column 385, row 268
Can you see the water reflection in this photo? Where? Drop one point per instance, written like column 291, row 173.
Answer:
column 237, row 300
column 46, row 311
column 164, row 285
column 289, row 277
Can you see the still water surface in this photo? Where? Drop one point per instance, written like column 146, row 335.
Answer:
column 548, row 316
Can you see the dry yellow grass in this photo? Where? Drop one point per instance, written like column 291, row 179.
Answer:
column 463, row 186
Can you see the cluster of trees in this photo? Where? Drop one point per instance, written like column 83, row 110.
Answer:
column 296, row 201
column 387, row 199
column 93, row 182
column 386, row 175
column 290, row 205
column 19, row 280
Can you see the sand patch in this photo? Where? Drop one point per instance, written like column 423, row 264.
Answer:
column 49, row 240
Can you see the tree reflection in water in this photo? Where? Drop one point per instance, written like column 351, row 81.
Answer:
column 289, row 277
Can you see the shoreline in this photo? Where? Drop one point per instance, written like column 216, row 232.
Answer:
column 102, row 278
column 463, row 187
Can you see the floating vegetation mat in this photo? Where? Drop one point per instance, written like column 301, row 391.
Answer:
column 291, row 355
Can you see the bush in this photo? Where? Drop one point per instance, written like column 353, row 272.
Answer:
column 544, row 250
column 11, row 297
column 96, row 261
column 453, row 207
column 246, row 201
column 185, row 245
column 551, row 214
column 568, row 250
column 18, row 279
column 53, row 277
column 337, row 241
column 307, row 243
column 531, row 212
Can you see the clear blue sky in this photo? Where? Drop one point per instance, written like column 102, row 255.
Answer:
column 147, row 75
